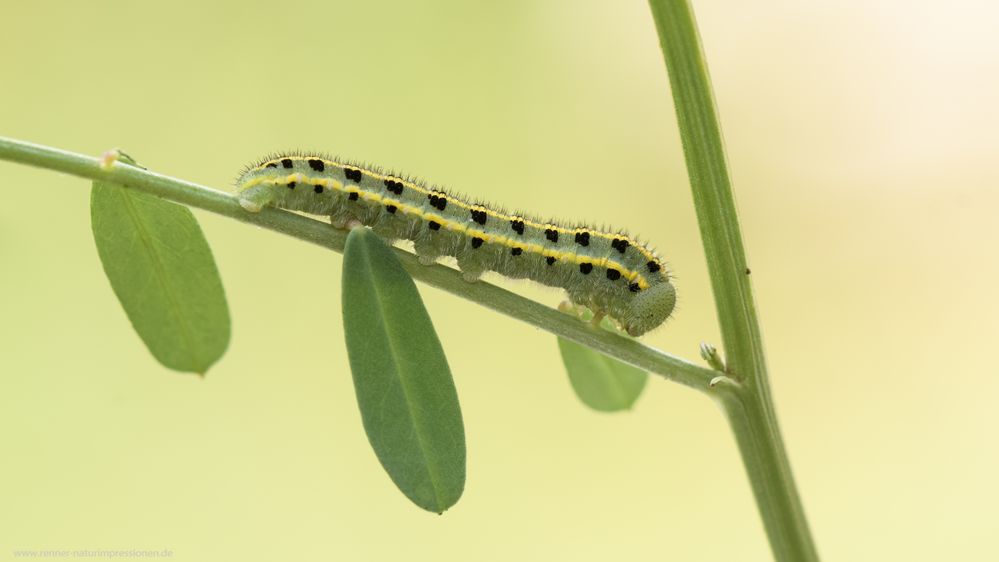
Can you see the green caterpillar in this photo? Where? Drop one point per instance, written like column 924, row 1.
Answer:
column 608, row 272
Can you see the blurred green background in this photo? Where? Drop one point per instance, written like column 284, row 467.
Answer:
column 862, row 141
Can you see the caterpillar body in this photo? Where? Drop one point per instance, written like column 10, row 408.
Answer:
column 607, row 271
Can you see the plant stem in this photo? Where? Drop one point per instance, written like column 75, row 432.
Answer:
column 764, row 457
column 748, row 406
column 323, row 234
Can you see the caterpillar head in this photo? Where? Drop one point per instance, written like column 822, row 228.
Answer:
column 649, row 308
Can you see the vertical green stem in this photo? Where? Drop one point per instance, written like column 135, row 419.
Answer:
column 747, row 404
column 750, row 416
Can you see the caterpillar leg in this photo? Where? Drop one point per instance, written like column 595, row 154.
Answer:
column 471, row 269
column 573, row 309
column 341, row 218
column 426, row 251
column 583, row 314
column 598, row 316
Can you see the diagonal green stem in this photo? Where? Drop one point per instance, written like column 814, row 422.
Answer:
column 322, row 234
column 748, row 405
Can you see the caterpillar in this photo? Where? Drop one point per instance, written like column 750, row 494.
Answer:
column 608, row 271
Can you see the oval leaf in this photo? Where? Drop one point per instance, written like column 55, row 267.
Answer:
column 601, row 382
column 162, row 271
column 404, row 388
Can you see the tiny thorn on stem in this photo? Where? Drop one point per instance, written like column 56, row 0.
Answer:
column 722, row 380
column 109, row 158
column 710, row 354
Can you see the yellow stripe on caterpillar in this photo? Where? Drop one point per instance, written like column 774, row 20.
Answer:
column 420, row 189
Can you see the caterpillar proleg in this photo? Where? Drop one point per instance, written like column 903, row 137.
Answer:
column 607, row 271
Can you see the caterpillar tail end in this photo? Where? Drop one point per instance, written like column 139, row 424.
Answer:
column 255, row 198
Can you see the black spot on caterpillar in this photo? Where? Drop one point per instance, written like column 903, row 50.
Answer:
column 438, row 202
column 353, row 175
column 636, row 288
column 393, row 186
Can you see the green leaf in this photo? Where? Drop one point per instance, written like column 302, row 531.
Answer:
column 602, row 383
column 162, row 271
column 407, row 398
